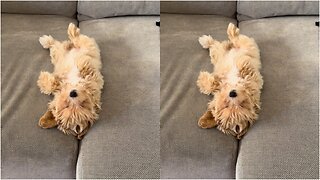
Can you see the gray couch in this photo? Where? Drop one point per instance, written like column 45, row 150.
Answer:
column 284, row 142
column 124, row 143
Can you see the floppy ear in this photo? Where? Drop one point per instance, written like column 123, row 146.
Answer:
column 47, row 120
column 207, row 120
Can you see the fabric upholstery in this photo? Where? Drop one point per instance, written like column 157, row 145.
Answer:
column 124, row 143
column 260, row 9
column 65, row 8
column 188, row 151
column 284, row 142
column 27, row 151
column 100, row 9
column 224, row 8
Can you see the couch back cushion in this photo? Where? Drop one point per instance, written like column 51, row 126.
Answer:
column 101, row 9
column 224, row 8
column 65, row 8
column 254, row 10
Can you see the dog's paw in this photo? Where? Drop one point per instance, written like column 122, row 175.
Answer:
column 73, row 31
column 46, row 41
column 45, row 82
column 233, row 31
column 206, row 41
column 204, row 83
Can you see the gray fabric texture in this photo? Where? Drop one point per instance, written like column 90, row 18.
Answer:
column 224, row 8
column 188, row 151
column 27, row 151
column 124, row 143
column 284, row 142
column 260, row 9
column 101, row 9
column 65, row 8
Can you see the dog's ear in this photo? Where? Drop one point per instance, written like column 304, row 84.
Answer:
column 47, row 120
column 207, row 120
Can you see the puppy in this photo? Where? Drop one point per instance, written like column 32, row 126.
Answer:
column 76, row 83
column 236, row 83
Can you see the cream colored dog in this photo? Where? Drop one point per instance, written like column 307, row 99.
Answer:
column 236, row 83
column 76, row 83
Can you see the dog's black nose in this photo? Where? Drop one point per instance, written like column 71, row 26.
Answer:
column 233, row 93
column 73, row 94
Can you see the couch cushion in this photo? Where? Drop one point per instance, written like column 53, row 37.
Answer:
column 253, row 10
column 206, row 7
column 27, row 150
column 188, row 151
column 65, row 8
column 284, row 141
column 100, row 9
column 124, row 143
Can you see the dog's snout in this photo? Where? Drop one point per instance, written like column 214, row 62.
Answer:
column 233, row 93
column 73, row 93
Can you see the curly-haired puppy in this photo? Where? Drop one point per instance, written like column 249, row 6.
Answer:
column 236, row 83
column 76, row 83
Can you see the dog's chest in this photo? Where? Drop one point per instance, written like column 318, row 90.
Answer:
column 73, row 75
column 232, row 73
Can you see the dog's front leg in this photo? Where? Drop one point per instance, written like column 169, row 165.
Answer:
column 47, row 82
column 216, row 48
column 207, row 120
column 208, row 83
column 204, row 82
column 47, row 120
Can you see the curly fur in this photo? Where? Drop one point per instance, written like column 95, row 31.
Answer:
column 236, row 67
column 77, row 67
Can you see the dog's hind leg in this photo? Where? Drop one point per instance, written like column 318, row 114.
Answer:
column 240, row 41
column 216, row 48
column 79, row 40
column 57, row 48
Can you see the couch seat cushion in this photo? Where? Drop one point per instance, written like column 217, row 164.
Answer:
column 124, row 143
column 27, row 150
column 186, row 150
column 284, row 141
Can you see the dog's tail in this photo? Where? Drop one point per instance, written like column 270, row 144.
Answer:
column 206, row 41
